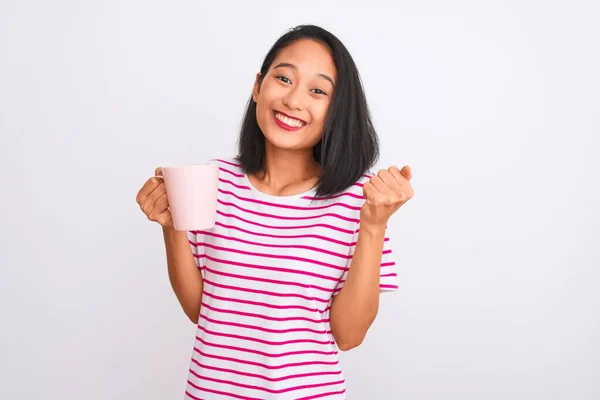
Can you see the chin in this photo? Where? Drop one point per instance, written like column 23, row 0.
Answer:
column 285, row 143
column 289, row 140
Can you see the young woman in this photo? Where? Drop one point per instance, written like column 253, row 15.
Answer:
column 293, row 269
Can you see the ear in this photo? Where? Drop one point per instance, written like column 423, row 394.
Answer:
column 256, row 89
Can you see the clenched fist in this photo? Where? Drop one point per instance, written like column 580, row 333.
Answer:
column 153, row 201
column 385, row 193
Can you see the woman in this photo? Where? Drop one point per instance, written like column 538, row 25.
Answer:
column 293, row 269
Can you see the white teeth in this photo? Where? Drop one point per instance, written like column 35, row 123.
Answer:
column 289, row 121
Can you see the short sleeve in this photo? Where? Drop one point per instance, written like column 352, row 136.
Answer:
column 196, row 240
column 388, row 274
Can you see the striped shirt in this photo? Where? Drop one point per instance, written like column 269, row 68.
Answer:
column 271, row 267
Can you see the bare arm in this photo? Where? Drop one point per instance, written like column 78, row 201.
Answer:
column 354, row 309
column 185, row 277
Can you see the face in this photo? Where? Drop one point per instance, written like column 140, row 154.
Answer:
column 293, row 96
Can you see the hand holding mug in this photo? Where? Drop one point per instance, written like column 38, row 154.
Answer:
column 153, row 201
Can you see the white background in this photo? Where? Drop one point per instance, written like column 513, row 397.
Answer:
column 494, row 105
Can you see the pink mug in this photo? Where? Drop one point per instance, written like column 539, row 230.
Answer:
column 192, row 195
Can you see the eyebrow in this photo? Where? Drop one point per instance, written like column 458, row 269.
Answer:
column 292, row 66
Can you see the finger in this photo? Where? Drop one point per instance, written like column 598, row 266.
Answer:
column 159, row 207
column 164, row 218
column 150, row 203
column 158, row 171
column 148, row 187
column 157, row 193
column 389, row 180
column 369, row 191
column 406, row 172
column 379, row 185
column 373, row 196
column 397, row 174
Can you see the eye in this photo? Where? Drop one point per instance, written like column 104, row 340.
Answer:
column 318, row 91
column 283, row 79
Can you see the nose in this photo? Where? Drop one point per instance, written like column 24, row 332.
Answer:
column 293, row 100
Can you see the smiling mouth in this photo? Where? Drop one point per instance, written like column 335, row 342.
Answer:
column 287, row 122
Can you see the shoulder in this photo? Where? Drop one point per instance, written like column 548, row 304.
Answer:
column 231, row 174
column 228, row 165
column 356, row 189
column 230, row 162
column 351, row 198
column 360, row 182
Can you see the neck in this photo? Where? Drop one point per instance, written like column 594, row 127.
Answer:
column 285, row 169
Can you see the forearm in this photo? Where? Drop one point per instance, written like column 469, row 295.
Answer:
column 184, row 275
column 354, row 309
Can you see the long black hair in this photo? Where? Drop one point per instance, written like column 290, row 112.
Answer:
column 349, row 145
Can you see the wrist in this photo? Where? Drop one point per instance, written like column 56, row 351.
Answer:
column 170, row 233
column 372, row 229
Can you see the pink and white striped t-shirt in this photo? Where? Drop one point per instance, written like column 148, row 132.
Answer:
column 271, row 267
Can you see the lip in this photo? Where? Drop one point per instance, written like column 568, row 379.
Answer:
column 287, row 127
column 289, row 116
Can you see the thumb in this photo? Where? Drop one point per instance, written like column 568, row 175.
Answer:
column 406, row 172
column 158, row 171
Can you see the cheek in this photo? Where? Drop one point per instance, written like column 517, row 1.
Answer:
column 319, row 114
column 269, row 92
column 266, row 98
column 262, row 108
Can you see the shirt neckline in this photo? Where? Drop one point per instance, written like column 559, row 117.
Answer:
column 278, row 199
